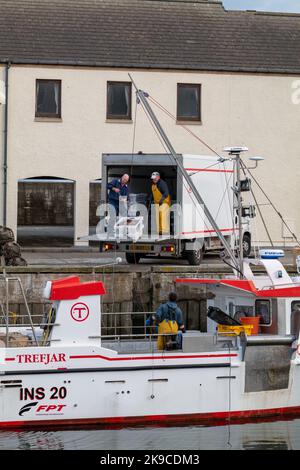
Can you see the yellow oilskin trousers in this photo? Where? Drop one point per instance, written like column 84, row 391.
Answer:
column 162, row 212
column 166, row 327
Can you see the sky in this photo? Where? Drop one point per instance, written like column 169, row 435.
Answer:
column 290, row 6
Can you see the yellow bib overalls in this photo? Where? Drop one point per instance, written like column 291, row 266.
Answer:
column 162, row 212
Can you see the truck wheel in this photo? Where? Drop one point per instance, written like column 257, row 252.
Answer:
column 195, row 257
column 246, row 246
column 132, row 258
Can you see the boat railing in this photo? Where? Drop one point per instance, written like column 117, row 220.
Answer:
column 7, row 281
column 118, row 327
column 136, row 342
column 275, row 286
column 147, row 336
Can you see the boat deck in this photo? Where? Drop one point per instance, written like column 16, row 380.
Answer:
column 193, row 341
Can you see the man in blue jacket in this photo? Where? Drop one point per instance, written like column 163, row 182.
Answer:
column 169, row 311
column 117, row 187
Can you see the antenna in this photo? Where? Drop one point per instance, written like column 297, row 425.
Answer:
column 256, row 160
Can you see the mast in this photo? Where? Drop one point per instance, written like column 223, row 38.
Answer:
column 239, row 210
column 235, row 153
column 142, row 96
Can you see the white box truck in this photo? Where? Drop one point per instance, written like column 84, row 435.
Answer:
column 191, row 236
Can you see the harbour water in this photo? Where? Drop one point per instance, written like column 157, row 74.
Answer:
column 276, row 435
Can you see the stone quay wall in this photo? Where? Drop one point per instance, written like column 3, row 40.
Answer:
column 139, row 290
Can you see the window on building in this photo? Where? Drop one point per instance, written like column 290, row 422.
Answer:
column 48, row 98
column 118, row 100
column 46, row 211
column 263, row 310
column 95, row 200
column 188, row 102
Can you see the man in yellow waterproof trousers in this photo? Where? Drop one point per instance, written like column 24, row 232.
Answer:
column 170, row 324
column 162, row 200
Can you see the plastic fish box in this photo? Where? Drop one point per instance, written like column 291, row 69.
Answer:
column 129, row 227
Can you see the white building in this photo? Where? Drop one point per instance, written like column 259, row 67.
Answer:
column 232, row 77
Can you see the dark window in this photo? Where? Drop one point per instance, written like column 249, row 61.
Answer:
column 188, row 102
column 295, row 318
column 48, row 98
column 118, row 100
column 243, row 311
column 95, row 200
column 263, row 310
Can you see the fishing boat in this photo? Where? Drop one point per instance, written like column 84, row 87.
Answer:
column 69, row 373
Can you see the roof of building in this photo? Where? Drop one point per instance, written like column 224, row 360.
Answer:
column 167, row 34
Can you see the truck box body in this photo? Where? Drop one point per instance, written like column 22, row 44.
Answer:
column 190, row 229
column 214, row 181
column 211, row 177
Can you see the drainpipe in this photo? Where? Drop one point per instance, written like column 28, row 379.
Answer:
column 5, row 166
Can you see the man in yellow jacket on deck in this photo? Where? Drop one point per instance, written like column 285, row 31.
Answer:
column 162, row 200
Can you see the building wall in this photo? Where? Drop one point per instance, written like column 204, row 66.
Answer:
column 255, row 110
column 2, row 111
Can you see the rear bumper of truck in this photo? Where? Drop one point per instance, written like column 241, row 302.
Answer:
column 166, row 248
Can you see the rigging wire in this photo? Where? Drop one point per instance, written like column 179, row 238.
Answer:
column 132, row 150
column 273, row 206
column 256, row 246
column 243, row 166
column 232, row 267
column 156, row 103
column 196, row 137
column 133, row 136
column 244, row 169
column 155, row 130
column 171, row 160
column 188, row 130
column 206, row 168
column 162, row 108
column 225, row 193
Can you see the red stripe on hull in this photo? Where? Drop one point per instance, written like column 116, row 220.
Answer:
column 133, row 358
column 201, row 418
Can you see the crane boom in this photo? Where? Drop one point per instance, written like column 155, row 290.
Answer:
column 142, row 96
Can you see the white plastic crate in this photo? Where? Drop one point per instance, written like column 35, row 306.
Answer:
column 129, row 227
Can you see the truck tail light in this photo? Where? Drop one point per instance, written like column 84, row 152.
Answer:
column 168, row 249
column 107, row 246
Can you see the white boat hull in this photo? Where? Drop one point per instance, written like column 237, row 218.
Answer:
column 100, row 386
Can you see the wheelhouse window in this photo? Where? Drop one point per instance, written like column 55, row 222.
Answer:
column 188, row 102
column 118, row 100
column 263, row 310
column 48, row 98
column 243, row 311
column 295, row 317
